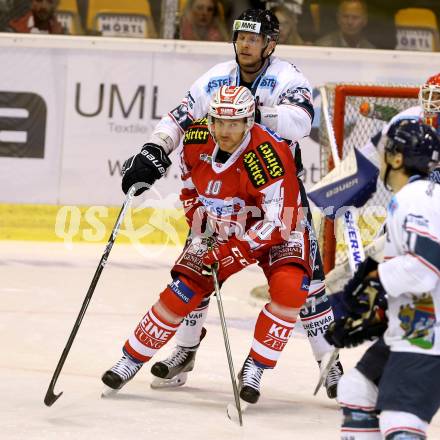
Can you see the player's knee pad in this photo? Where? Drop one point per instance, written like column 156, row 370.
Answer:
column 399, row 425
column 317, row 303
column 356, row 391
column 288, row 286
column 182, row 296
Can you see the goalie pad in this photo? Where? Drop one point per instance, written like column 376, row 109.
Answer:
column 351, row 183
column 338, row 277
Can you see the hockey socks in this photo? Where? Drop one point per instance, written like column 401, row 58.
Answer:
column 316, row 315
column 270, row 338
column 190, row 330
column 151, row 334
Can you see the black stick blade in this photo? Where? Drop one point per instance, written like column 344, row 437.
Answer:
column 50, row 398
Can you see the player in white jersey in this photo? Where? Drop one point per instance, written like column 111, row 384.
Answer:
column 285, row 106
column 428, row 112
column 399, row 375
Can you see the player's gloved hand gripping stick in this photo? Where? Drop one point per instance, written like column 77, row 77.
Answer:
column 51, row 397
column 347, row 187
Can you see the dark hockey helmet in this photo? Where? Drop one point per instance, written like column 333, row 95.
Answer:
column 419, row 144
column 258, row 21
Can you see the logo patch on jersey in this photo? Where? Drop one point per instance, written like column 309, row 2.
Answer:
column 181, row 290
column 204, row 157
column 271, row 159
column 196, row 135
column 268, row 82
column 255, row 169
column 417, row 320
column 216, row 83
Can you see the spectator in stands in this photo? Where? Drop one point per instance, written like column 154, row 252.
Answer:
column 202, row 21
column 40, row 18
column 288, row 25
column 352, row 18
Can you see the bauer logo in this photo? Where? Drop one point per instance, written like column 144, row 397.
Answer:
column 23, row 118
column 254, row 169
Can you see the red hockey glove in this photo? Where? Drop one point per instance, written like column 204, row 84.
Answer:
column 231, row 257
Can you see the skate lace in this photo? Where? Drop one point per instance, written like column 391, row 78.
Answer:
column 126, row 368
column 252, row 374
column 177, row 357
column 333, row 375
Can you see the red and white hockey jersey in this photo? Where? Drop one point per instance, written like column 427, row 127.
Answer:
column 254, row 195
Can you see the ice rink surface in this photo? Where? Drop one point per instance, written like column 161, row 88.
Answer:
column 42, row 289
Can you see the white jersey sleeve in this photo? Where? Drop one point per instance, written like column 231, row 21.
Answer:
column 285, row 99
column 282, row 93
column 410, row 273
column 194, row 105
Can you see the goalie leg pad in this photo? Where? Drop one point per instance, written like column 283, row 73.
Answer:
column 357, row 396
column 189, row 332
column 270, row 337
column 151, row 334
column 396, row 425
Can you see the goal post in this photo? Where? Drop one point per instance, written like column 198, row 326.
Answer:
column 358, row 112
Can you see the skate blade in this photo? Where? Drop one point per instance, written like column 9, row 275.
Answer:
column 176, row 381
column 232, row 412
column 108, row 392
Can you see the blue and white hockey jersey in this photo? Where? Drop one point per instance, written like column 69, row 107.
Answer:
column 282, row 92
column 410, row 273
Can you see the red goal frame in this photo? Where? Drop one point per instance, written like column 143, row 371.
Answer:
column 341, row 93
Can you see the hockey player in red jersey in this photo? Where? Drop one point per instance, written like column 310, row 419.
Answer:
column 242, row 201
column 283, row 98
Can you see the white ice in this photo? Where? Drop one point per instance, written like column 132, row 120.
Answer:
column 42, row 289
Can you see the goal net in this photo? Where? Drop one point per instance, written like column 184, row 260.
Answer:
column 358, row 112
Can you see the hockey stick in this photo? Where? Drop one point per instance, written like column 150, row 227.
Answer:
column 51, row 397
column 227, row 345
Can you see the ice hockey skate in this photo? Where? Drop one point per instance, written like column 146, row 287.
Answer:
column 122, row 372
column 249, row 379
column 332, row 379
column 173, row 371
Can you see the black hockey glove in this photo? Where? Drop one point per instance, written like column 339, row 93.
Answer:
column 144, row 168
column 350, row 301
column 364, row 317
column 347, row 333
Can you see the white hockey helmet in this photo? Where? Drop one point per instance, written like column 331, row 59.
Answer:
column 429, row 95
column 232, row 102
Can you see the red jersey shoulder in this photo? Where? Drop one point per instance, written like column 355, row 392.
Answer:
column 267, row 158
column 197, row 143
column 197, row 133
